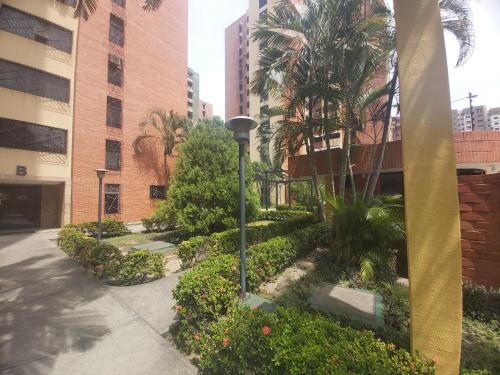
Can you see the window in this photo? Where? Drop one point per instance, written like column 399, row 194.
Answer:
column 114, row 113
column 33, row 81
column 120, row 3
column 391, row 183
column 241, row 109
column 71, row 3
column 241, row 98
column 32, row 137
column 157, row 192
column 262, row 3
column 113, row 155
column 112, row 199
column 31, row 27
column 116, row 30
column 115, row 70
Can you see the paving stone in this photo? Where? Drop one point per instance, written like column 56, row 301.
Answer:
column 362, row 305
column 254, row 301
column 157, row 247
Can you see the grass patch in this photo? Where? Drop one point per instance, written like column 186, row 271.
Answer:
column 259, row 223
column 125, row 243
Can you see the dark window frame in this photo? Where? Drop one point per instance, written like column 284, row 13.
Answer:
column 115, row 70
column 35, row 28
column 22, row 135
column 120, row 3
column 19, row 77
column 157, row 192
column 116, row 30
column 114, row 112
column 113, row 160
column 112, row 199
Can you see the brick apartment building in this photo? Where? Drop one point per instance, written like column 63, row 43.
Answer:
column 128, row 61
column 237, row 67
column 72, row 94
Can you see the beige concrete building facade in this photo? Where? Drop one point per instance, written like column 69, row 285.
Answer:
column 37, row 67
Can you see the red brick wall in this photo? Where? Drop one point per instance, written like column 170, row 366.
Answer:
column 480, row 227
column 155, row 71
column 232, row 42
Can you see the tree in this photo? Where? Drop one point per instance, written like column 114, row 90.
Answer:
column 86, row 7
column 168, row 129
column 456, row 17
column 204, row 193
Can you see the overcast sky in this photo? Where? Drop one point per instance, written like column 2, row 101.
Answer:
column 481, row 75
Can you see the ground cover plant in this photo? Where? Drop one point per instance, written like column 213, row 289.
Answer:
column 107, row 262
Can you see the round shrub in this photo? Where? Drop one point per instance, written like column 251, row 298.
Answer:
column 191, row 251
column 109, row 227
column 295, row 342
column 70, row 239
column 140, row 266
column 209, row 290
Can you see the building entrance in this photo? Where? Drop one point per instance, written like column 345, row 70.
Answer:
column 19, row 207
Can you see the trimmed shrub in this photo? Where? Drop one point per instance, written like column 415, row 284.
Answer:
column 70, row 239
column 110, row 228
column 209, row 290
column 284, row 207
column 228, row 242
column 281, row 215
column 270, row 258
column 107, row 262
column 192, row 251
column 481, row 302
column 295, row 342
column 141, row 266
column 162, row 220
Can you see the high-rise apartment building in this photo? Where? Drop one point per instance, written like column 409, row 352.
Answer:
column 494, row 119
column 464, row 122
column 72, row 95
column 193, row 94
column 206, row 110
column 37, row 70
column 237, row 67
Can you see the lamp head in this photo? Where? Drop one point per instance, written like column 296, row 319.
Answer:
column 241, row 126
column 101, row 172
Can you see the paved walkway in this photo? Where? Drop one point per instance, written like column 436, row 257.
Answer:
column 55, row 318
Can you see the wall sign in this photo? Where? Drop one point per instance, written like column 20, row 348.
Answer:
column 21, row 170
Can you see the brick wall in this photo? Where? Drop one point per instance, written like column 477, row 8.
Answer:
column 154, row 75
column 480, row 227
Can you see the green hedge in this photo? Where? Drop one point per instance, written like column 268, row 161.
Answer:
column 106, row 261
column 296, row 342
column 228, row 242
column 480, row 302
column 281, row 215
column 209, row 289
column 284, row 207
column 110, row 228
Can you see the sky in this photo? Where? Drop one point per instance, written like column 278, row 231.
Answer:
column 480, row 75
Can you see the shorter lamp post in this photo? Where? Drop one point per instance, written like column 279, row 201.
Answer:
column 100, row 174
column 241, row 127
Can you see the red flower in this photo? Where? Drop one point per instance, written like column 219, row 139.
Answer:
column 226, row 341
column 197, row 337
column 266, row 330
column 178, row 308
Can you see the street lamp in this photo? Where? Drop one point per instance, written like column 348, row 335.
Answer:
column 100, row 174
column 241, row 127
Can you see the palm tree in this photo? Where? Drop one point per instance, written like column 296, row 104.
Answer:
column 86, row 7
column 168, row 128
column 456, row 17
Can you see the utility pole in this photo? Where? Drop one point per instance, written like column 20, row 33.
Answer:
column 471, row 109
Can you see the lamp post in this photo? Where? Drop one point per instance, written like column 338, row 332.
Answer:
column 241, row 127
column 100, row 174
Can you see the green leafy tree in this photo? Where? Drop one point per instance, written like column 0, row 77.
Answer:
column 204, row 193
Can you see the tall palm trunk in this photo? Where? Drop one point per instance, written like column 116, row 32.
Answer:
column 165, row 167
column 387, row 120
column 312, row 160
column 349, row 163
column 328, row 148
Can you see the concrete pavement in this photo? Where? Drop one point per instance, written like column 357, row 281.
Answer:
column 55, row 318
